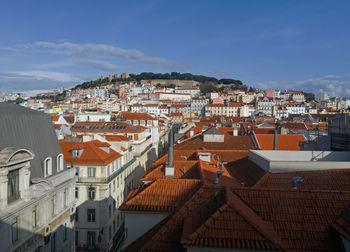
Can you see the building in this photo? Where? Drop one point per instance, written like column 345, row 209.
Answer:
column 339, row 131
column 231, row 109
column 37, row 204
column 198, row 105
column 265, row 105
column 125, row 76
column 194, row 91
column 105, row 177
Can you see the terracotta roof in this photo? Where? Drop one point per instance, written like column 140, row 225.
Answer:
column 230, row 143
column 57, row 126
column 294, row 126
column 120, row 127
column 301, row 218
column 136, row 116
column 163, row 195
column 181, row 169
column 116, row 138
column 284, row 142
column 224, row 221
column 92, row 153
column 207, row 173
column 55, row 118
column 264, row 131
column 330, row 180
column 342, row 224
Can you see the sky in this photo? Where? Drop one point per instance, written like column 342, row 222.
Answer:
column 269, row 44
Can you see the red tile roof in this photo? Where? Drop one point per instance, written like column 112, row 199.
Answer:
column 55, row 118
column 214, row 224
column 284, row 142
column 163, row 195
column 328, row 180
column 294, row 126
column 301, row 218
column 116, row 138
column 92, row 153
column 230, row 143
column 180, row 168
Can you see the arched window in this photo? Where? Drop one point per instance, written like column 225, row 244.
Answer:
column 60, row 163
column 48, row 166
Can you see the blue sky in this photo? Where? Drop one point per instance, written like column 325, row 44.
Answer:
column 268, row 44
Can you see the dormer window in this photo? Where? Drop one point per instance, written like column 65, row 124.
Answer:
column 77, row 152
column 60, row 164
column 105, row 149
column 48, row 166
column 13, row 186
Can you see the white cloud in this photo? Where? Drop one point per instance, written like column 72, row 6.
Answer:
column 42, row 75
column 89, row 50
column 332, row 84
column 98, row 64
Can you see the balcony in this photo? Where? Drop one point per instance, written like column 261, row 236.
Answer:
column 108, row 179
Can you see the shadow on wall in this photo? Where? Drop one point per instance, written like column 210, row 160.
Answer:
column 99, row 224
column 15, row 238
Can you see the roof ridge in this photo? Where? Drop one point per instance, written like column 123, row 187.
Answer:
column 178, row 213
column 265, row 228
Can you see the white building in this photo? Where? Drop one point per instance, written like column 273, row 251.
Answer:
column 104, row 179
column 36, row 189
column 194, row 91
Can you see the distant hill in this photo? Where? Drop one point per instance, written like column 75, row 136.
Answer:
column 166, row 76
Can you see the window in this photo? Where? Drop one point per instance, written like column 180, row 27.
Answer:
column 92, row 171
column 113, row 185
column 76, row 171
column 109, row 210
column 91, row 193
column 76, row 238
column 114, row 207
column 14, row 229
column 35, row 217
column 91, row 215
column 52, row 206
column 48, row 166
column 91, row 239
column 110, row 189
column 76, row 192
column 65, row 198
column 109, row 232
column 77, row 214
column 65, row 232
column 75, row 153
column 53, row 242
column 60, row 164
column 13, row 186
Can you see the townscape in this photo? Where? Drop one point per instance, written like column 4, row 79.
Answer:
column 142, row 166
column 174, row 126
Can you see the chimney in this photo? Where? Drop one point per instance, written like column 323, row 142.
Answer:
column 216, row 177
column 169, row 168
column 235, row 132
column 275, row 140
column 191, row 132
column 295, row 182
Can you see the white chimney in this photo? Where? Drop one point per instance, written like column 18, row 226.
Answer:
column 191, row 132
column 169, row 171
column 235, row 132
